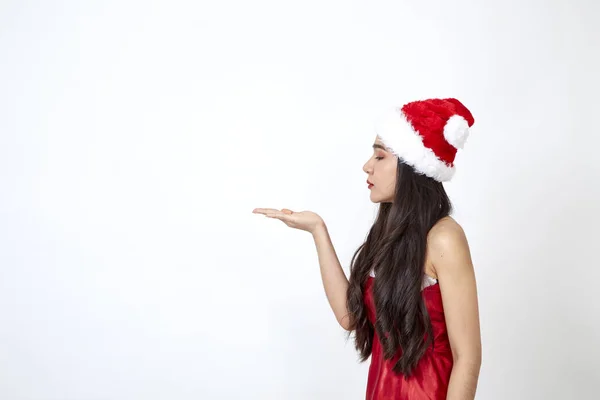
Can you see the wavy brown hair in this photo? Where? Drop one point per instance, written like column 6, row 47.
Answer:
column 395, row 248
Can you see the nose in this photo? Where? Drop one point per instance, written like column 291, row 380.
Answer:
column 367, row 167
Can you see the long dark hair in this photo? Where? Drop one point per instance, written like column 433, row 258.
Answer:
column 396, row 247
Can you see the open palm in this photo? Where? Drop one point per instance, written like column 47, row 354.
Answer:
column 304, row 220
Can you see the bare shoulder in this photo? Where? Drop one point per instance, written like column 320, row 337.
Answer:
column 447, row 242
column 446, row 231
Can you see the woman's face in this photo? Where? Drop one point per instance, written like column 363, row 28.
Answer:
column 381, row 169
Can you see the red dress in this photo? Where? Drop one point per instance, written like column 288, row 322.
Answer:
column 430, row 377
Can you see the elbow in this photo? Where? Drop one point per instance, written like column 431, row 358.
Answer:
column 469, row 357
column 345, row 323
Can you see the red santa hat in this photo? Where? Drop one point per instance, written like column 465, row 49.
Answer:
column 427, row 134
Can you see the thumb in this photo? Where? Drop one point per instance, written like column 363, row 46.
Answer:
column 286, row 211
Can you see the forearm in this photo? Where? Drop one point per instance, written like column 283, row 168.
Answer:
column 463, row 380
column 335, row 281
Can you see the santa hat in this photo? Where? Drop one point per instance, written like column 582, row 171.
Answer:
column 427, row 134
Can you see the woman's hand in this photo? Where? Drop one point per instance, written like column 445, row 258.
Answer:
column 304, row 220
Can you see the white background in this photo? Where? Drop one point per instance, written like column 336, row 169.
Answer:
column 136, row 137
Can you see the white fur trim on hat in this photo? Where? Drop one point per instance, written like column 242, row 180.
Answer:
column 398, row 134
column 456, row 131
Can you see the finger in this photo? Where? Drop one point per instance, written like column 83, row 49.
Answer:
column 274, row 214
column 287, row 211
column 264, row 210
column 279, row 215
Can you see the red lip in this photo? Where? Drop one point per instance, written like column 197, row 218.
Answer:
column 370, row 184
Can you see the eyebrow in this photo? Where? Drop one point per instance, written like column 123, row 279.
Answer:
column 378, row 146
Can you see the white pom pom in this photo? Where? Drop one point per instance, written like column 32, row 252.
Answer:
column 456, row 131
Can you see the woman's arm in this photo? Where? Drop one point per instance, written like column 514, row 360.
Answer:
column 451, row 258
column 334, row 279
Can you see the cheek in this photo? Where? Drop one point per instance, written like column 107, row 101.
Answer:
column 390, row 173
column 386, row 178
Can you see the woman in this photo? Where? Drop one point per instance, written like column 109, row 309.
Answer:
column 411, row 300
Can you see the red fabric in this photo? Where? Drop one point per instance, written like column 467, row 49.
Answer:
column 430, row 378
column 428, row 118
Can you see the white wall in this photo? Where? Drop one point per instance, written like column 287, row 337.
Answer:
column 136, row 137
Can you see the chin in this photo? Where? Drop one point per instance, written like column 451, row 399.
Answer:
column 378, row 199
column 375, row 199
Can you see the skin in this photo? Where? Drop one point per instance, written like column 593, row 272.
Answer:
column 381, row 170
column 448, row 259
